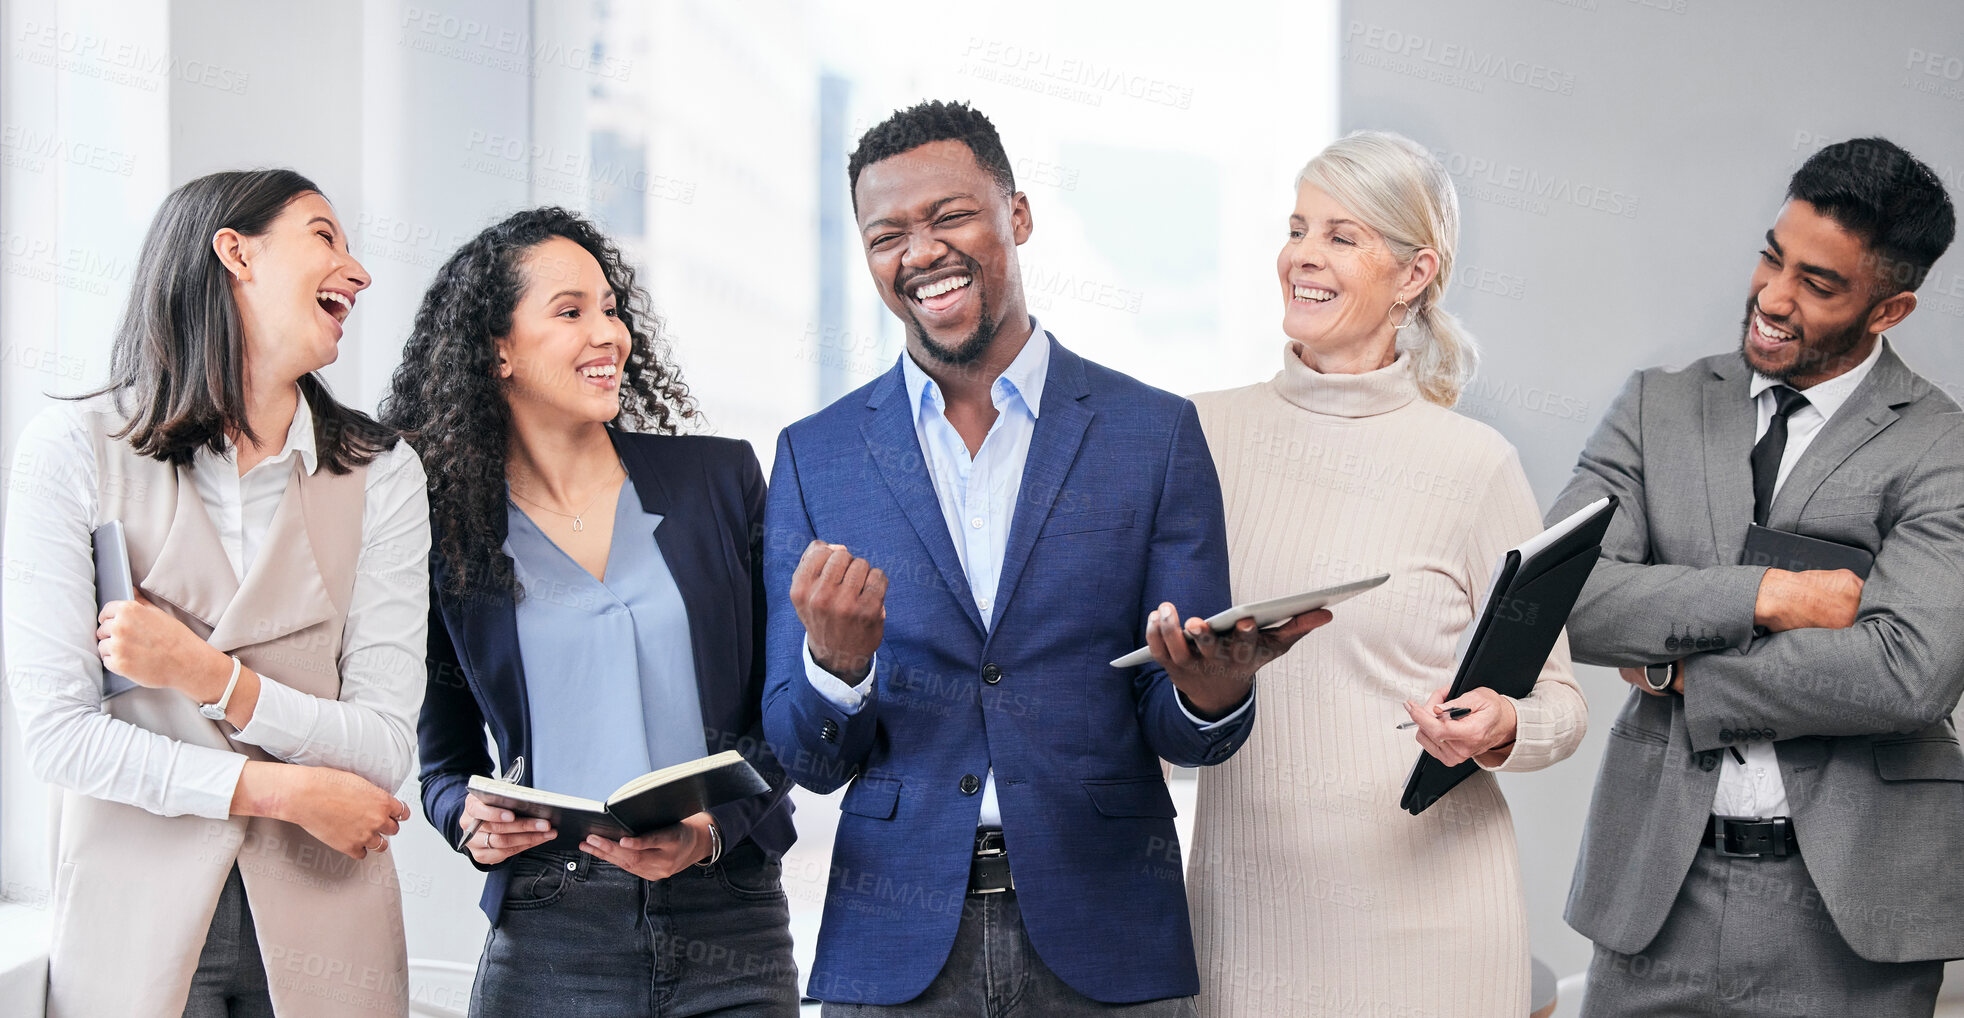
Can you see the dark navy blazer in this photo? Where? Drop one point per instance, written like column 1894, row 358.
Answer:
column 1120, row 510
column 710, row 492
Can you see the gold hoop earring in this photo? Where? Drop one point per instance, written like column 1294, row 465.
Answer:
column 1411, row 315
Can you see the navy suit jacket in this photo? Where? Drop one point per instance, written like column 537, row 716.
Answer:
column 1120, row 509
column 710, row 492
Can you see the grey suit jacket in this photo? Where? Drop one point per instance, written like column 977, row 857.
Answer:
column 1861, row 716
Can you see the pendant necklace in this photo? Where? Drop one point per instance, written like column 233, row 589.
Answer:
column 578, row 523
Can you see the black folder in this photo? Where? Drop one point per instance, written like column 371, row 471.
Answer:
column 1800, row 553
column 1533, row 590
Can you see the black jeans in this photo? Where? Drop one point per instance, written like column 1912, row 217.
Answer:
column 583, row 938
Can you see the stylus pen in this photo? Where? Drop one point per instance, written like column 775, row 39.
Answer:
column 515, row 772
column 1451, row 714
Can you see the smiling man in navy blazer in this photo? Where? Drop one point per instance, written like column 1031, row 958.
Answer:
column 953, row 554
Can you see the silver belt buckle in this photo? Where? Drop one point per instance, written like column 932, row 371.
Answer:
column 995, row 853
column 1777, row 849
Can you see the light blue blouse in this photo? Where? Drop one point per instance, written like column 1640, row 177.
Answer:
column 610, row 673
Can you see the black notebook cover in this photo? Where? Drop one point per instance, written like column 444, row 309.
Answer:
column 642, row 812
column 1799, row 553
column 1514, row 635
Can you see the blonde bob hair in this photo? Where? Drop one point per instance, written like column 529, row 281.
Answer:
column 1394, row 186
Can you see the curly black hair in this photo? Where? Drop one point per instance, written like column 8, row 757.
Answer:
column 450, row 405
column 926, row 122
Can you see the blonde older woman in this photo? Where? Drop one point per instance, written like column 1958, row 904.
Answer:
column 1312, row 892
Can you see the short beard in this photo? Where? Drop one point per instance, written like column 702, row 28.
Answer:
column 968, row 352
column 1814, row 352
column 978, row 342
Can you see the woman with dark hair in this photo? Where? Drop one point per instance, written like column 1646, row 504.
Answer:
column 597, row 593
column 227, row 810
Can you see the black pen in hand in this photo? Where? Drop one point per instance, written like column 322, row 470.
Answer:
column 514, row 773
column 1451, row 714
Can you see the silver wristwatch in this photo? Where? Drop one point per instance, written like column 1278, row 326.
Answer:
column 1660, row 677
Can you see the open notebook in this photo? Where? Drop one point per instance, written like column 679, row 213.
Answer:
column 644, row 805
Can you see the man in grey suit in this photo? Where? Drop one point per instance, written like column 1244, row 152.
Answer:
column 1778, row 826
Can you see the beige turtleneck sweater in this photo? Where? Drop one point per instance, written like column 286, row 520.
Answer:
column 1312, row 892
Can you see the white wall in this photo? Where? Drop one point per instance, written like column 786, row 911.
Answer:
column 84, row 117
column 1614, row 203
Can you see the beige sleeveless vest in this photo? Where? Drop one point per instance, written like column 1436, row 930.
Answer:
column 135, row 892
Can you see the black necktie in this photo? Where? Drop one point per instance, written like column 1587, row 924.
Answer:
column 1771, row 449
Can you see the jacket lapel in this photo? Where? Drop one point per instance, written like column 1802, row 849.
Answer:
column 692, row 555
column 1870, row 409
column 484, row 631
column 896, row 451
column 1729, row 425
column 682, row 556
column 283, row 591
column 190, row 571
column 1053, row 448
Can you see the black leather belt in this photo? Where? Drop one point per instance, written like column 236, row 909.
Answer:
column 1751, row 837
column 988, row 871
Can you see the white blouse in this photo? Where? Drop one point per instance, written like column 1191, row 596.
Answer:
column 55, row 674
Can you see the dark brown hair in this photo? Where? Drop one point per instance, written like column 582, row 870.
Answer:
column 177, row 368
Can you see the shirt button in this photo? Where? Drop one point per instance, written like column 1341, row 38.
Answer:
column 976, row 523
column 970, row 784
column 991, row 673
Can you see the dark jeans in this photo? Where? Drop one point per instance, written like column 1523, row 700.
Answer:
column 231, row 978
column 582, row 938
column 993, row 972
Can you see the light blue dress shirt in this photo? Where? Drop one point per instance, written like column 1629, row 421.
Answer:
column 610, row 672
column 978, row 502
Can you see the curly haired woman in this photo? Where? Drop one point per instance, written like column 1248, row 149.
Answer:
column 537, row 390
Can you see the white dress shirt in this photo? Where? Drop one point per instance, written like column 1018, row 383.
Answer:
column 1754, row 788
column 55, row 673
column 978, row 502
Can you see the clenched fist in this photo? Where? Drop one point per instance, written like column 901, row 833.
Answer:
column 150, row 647
column 842, row 602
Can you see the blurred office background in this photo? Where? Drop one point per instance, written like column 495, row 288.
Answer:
column 1617, row 160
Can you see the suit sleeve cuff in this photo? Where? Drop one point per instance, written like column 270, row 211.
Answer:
column 1208, row 726
column 1737, row 593
column 834, row 689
